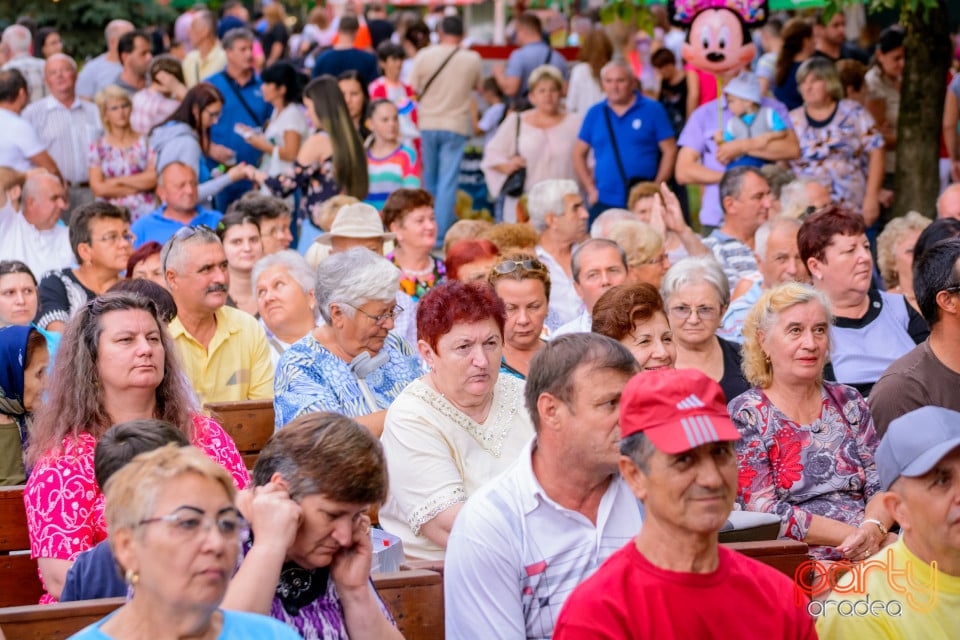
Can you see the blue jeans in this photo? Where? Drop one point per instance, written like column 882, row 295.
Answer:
column 442, row 153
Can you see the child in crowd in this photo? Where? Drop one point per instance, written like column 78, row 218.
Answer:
column 852, row 77
column 389, row 87
column 673, row 87
column 751, row 120
column 487, row 125
column 391, row 164
column 94, row 572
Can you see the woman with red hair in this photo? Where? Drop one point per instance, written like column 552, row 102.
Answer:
column 456, row 427
column 471, row 260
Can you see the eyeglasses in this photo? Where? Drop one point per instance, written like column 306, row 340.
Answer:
column 704, row 312
column 380, row 319
column 113, row 237
column 182, row 234
column 509, row 266
column 186, row 523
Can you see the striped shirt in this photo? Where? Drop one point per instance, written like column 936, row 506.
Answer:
column 734, row 256
column 399, row 170
column 67, row 132
column 514, row 554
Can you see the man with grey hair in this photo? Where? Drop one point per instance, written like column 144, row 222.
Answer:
column 948, row 204
column 33, row 234
column 67, row 126
column 598, row 264
column 17, row 41
column 286, row 316
column 746, row 200
column 558, row 214
column 803, row 196
column 523, row 542
column 224, row 350
column 631, row 138
column 103, row 70
column 778, row 262
column 601, row 226
column 207, row 56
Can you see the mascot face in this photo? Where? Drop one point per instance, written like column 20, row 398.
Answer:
column 715, row 42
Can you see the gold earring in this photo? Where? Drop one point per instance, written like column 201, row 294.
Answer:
column 131, row 577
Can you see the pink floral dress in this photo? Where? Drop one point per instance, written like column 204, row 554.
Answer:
column 65, row 506
column 116, row 162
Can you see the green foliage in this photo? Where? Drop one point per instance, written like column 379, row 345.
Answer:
column 81, row 22
column 631, row 12
column 906, row 7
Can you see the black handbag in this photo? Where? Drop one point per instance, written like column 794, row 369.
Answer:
column 513, row 186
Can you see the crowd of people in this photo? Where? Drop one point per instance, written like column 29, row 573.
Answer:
column 675, row 317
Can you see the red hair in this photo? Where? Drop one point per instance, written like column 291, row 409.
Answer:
column 454, row 303
column 463, row 252
column 146, row 250
column 819, row 229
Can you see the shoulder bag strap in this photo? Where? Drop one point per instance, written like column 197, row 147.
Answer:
column 436, row 73
column 516, row 146
column 613, row 141
column 236, row 91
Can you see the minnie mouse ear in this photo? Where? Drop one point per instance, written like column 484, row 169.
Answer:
column 752, row 12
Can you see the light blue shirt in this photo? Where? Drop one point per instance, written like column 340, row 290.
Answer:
column 236, row 626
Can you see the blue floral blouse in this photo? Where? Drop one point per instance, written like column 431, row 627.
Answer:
column 310, row 378
column 825, row 468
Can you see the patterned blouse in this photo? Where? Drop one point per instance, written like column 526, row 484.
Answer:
column 836, row 153
column 825, row 468
column 316, row 181
column 65, row 505
column 310, row 378
column 412, row 288
column 116, row 162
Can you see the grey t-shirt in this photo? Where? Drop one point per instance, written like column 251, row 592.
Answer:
column 524, row 60
column 96, row 75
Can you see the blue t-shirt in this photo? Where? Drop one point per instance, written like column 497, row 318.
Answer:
column 638, row 133
column 234, row 112
column 93, row 575
column 336, row 61
column 154, row 226
column 524, row 60
column 237, row 625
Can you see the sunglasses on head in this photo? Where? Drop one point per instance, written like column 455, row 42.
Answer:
column 509, row 266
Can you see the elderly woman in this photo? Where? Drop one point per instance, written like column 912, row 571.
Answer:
column 318, row 580
column 523, row 283
column 633, row 315
column 284, row 284
column 696, row 294
column 895, row 254
column 175, row 534
column 471, row 260
column 240, row 235
column 126, row 359
column 541, row 140
column 23, row 374
column 122, row 166
column 408, row 213
column 145, row 263
column 871, row 328
column 458, row 426
column 647, row 259
column 840, row 146
column 354, row 364
column 807, row 451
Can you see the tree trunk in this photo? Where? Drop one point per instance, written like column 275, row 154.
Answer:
column 928, row 53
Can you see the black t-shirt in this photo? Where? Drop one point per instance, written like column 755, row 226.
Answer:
column 276, row 33
column 733, row 383
column 673, row 97
column 380, row 30
column 336, row 61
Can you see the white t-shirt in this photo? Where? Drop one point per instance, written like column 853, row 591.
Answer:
column 291, row 118
column 42, row 251
column 19, row 142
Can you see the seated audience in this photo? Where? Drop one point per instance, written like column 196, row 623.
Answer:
column 520, row 236
column 409, row 215
column 634, row 316
column 18, row 294
column 523, row 283
column 23, row 376
column 240, row 235
column 160, row 511
column 354, row 364
column 597, row 265
column 356, row 224
column 803, row 196
column 145, row 263
column 158, row 294
column 101, row 241
column 530, row 536
column 471, row 260
column 600, row 227
column 283, row 287
column 895, row 254
column 948, row 204
column 658, row 206
column 919, row 465
column 223, row 350
column 696, row 295
column 808, row 445
column 647, row 260
column 674, row 580
column 871, row 328
column 929, row 374
column 94, row 573
column 463, row 229
column 308, row 562
column 457, row 427
column 273, row 217
column 33, row 235
column 177, row 189
column 119, row 348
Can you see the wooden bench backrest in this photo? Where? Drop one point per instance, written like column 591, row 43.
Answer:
column 415, row 598
column 783, row 555
column 19, row 582
column 249, row 423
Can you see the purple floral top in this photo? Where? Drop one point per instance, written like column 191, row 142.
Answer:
column 798, row 471
column 116, row 162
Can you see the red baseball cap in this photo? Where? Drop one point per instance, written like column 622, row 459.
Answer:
column 678, row 409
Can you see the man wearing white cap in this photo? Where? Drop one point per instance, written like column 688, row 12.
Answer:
column 913, row 589
column 674, row 580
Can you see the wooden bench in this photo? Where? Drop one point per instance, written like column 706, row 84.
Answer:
column 412, row 597
column 785, row 556
column 19, row 581
column 249, row 423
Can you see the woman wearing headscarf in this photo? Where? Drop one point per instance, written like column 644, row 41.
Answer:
column 23, row 366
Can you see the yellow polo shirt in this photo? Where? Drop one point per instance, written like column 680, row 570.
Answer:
column 237, row 364
column 197, row 69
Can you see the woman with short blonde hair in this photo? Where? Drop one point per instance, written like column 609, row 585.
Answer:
column 895, row 253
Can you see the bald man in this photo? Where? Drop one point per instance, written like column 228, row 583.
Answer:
column 948, row 204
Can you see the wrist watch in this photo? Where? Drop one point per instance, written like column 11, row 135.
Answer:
column 883, row 529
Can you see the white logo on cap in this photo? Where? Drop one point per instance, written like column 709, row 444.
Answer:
column 690, row 402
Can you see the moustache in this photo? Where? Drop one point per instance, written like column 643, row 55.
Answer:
column 216, row 288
